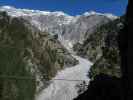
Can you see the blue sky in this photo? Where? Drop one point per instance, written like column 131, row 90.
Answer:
column 72, row 7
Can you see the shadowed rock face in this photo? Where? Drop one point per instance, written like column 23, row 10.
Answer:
column 126, row 48
column 103, row 87
column 103, row 42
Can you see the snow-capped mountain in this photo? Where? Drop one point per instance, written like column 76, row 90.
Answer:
column 69, row 28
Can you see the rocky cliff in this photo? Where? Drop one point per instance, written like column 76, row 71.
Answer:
column 28, row 58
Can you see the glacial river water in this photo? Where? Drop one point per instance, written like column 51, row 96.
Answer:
column 66, row 89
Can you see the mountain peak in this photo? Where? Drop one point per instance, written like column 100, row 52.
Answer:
column 109, row 15
column 89, row 13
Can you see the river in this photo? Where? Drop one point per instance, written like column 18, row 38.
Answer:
column 63, row 85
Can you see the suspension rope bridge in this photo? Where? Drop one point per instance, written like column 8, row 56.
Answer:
column 31, row 78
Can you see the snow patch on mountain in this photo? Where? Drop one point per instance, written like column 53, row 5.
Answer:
column 27, row 12
column 111, row 16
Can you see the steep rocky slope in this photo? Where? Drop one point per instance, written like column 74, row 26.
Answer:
column 101, row 47
column 28, row 58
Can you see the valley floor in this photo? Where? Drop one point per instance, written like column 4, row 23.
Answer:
column 66, row 89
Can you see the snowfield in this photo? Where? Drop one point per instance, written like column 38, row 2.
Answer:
column 61, row 89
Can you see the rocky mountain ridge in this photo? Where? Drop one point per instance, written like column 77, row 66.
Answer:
column 68, row 28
